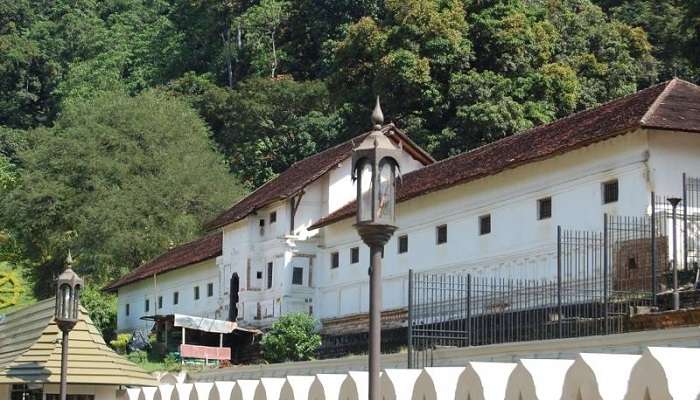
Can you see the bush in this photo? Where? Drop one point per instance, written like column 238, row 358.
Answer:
column 102, row 308
column 121, row 342
column 138, row 357
column 292, row 338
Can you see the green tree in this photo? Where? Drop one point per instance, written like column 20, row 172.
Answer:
column 261, row 25
column 293, row 337
column 117, row 179
column 102, row 308
column 265, row 125
column 459, row 75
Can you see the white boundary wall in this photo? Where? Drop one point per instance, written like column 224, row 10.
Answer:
column 659, row 373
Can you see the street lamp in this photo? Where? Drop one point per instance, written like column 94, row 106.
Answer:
column 375, row 168
column 68, row 286
column 676, row 297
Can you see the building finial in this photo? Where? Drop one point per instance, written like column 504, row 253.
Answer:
column 69, row 260
column 377, row 116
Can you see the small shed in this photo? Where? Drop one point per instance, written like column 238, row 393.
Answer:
column 30, row 359
column 199, row 338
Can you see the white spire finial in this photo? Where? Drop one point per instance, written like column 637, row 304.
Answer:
column 377, row 116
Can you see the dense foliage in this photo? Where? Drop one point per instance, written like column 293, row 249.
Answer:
column 100, row 151
column 293, row 337
column 118, row 179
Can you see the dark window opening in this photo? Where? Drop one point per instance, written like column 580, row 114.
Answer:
column 632, row 263
column 354, row 255
column 258, row 275
column 441, row 233
column 298, row 276
column 335, row 260
column 610, row 191
column 160, row 301
column 176, row 297
column 485, row 224
column 196, row 292
column 273, row 217
column 127, row 310
column 269, row 275
column 544, row 208
column 147, row 305
column 210, row 289
column 403, row 244
column 262, row 227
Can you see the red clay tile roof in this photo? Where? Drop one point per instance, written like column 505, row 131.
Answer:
column 672, row 105
column 198, row 250
column 304, row 172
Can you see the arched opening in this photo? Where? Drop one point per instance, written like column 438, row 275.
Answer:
column 233, row 297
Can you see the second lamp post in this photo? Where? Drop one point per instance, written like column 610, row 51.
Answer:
column 375, row 168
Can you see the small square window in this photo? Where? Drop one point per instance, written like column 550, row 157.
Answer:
column 210, row 289
column 335, row 260
column 403, row 244
column 354, row 255
column 544, row 208
column 176, row 297
column 610, row 191
column 485, row 224
column 127, row 310
column 147, row 305
column 196, row 292
column 441, row 234
column 297, row 276
column 258, row 274
column 273, row 217
column 160, row 302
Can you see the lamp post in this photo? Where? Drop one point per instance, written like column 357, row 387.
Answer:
column 68, row 286
column 375, row 168
column 676, row 297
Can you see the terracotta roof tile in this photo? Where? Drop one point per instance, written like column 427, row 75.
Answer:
column 673, row 105
column 198, row 250
column 302, row 173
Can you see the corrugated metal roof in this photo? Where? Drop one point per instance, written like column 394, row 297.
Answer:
column 30, row 351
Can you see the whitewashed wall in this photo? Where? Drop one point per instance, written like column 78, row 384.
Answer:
column 182, row 281
column 658, row 374
column 519, row 245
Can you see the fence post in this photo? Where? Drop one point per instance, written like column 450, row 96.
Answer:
column 685, row 222
column 410, row 318
column 605, row 272
column 653, row 248
column 469, row 309
column 560, row 321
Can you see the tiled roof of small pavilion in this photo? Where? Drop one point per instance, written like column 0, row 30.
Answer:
column 672, row 105
column 30, row 351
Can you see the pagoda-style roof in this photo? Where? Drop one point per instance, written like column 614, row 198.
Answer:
column 30, row 351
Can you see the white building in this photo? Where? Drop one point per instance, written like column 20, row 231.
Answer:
column 290, row 245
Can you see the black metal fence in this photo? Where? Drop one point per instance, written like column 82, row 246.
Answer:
column 600, row 279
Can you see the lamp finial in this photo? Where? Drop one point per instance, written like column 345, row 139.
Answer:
column 377, row 116
column 69, row 260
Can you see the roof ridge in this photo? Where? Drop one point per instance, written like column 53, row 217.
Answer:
column 538, row 127
column 659, row 99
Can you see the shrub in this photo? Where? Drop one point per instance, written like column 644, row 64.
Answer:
column 121, row 342
column 138, row 357
column 292, row 338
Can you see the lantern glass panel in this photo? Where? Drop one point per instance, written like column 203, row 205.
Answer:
column 76, row 302
column 365, row 192
column 66, row 301
column 385, row 208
